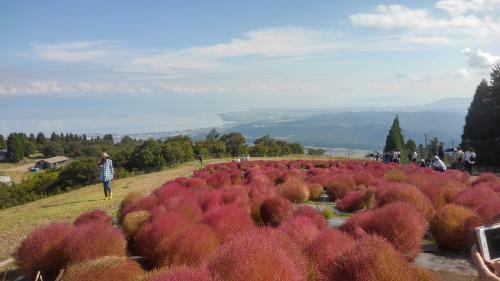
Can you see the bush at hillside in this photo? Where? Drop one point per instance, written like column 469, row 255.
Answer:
column 275, row 210
column 108, row 268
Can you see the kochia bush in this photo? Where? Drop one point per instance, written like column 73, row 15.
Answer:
column 409, row 194
column 275, row 210
column 453, row 227
column 93, row 217
column 357, row 200
column 229, row 221
column 183, row 273
column 339, row 186
column 301, row 230
column 41, row 250
column 107, row 268
column 295, row 190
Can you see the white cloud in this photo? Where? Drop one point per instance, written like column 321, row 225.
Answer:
column 458, row 7
column 74, row 52
column 49, row 87
column 426, row 39
column 480, row 59
column 462, row 74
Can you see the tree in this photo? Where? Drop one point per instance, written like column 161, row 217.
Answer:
column 2, row 142
column 474, row 127
column 16, row 147
column 78, row 173
column 411, row 145
column 177, row 149
column 40, row 138
column 296, row 148
column 316, row 151
column 108, row 138
column 212, row 135
column 395, row 139
column 235, row 144
column 147, row 157
column 51, row 149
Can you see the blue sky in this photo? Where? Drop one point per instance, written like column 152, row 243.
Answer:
column 134, row 66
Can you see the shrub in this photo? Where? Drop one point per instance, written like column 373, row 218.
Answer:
column 316, row 217
column 409, row 194
column 274, row 210
column 396, row 175
column 229, row 221
column 294, row 190
column 93, row 240
column 255, row 256
column 315, row 190
column 328, row 213
column 190, row 246
column 164, row 225
column 482, row 200
column 370, row 259
column 453, row 227
column 40, row 250
column 323, row 251
column 183, row 273
column 129, row 199
column 95, row 216
column 363, row 178
column 339, row 186
column 300, row 229
column 147, row 203
column 356, row 200
column 108, row 268
column 400, row 223
column 133, row 222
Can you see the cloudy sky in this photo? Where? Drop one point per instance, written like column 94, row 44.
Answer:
column 135, row 66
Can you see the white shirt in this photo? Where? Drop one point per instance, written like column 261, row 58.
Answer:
column 415, row 155
column 468, row 156
column 439, row 164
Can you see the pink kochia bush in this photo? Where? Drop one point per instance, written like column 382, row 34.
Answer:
column 323, row 251
column 357, row 200
column 316, row 217
column 409, row 194
column 371, row 259
column 400, row 223
column 93, row 217
column 107, row 268
column 301, row 230
column 93, row 240
column 482, row 199
column 41, row 250
column 229, row 221
column 259, row 255
column 275, row 210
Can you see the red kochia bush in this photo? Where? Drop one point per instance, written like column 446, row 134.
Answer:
column 183, row 273
column 274, row 210
column 300, row 229
column 409, row 194
column 338, row 187
column 93, row 240
column 41, row 250
column 482, row 200
column 189, row 247
column 323, row 251
column 94, row 216
column 356, row 200
column 107, row 268
column 229, row 221
column 316, row 217
column 453, row 227
column 400, row 223
column 371, row 259
column 255, row 256
column 164, row 225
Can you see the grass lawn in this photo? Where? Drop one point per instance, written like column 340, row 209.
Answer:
column 17, row 222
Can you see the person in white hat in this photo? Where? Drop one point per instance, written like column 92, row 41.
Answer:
column 438, row 165
column 106, row 174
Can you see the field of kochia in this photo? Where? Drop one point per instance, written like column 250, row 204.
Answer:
column 239, row 221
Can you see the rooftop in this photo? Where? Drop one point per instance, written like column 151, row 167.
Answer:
column 56, row 159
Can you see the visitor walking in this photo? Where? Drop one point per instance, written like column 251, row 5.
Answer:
column 200, row 158
column 414, row 157
column 106, row 174
column 470, row 159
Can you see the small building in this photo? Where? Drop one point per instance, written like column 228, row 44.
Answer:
column 52, row 162
column 3, row 154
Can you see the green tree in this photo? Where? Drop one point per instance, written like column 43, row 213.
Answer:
column 147, row 157
column 79, row 173
column 2, row 142
column 177, row 150
column 235, row 144
column 51, row 149
column 108, row 138
column 395, row 139
column 212, row 135
column 475, row 127
column 40, row 138
column 316, row 151
column 16, row 147
column 296, row 148
column 411, row 145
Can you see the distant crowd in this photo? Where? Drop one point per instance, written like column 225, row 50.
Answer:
column 460, row 160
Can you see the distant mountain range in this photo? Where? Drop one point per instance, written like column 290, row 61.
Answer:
column 362, row 128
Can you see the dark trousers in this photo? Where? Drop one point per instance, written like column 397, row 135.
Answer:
column 468, row 167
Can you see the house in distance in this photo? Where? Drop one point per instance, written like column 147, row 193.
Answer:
column 52, row 162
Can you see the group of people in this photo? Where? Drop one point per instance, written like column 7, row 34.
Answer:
column 464, row 160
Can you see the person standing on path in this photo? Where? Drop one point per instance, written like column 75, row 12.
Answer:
column 469, row 160
column 106, row 174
